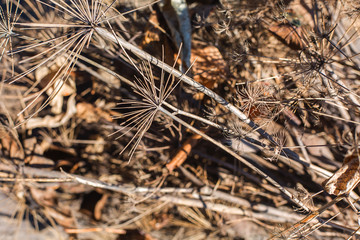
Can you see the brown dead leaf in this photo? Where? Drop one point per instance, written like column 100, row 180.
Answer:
column 291, row 35
column 347, row 177
column 156, row 41
column 183, row 152
column 160, row 220
column 60, row 218
column 47, row 76
column 9, row 145
column 46, row 197
column 91, row 114
column 209, row 67
column 99, row 206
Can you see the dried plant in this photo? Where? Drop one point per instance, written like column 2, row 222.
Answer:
column 81, row 18
column 294, row 78
column 8, row 18
column 141, row 113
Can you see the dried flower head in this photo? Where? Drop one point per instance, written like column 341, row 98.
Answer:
column 141, row 113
